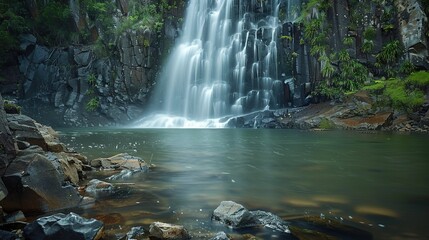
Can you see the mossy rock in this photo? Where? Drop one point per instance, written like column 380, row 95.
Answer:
column 11, row 108
column 326, row 124
column 419, row 79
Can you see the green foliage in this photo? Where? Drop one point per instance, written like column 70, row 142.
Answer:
column 390, row 52
column 12, row 23
column 367, row 46
column 11, row 108
column 401, row 94
column 369, row 33
column 419, row 79
column 348, row 41
column 286, row 37
column 92, row 80
column 92, row 104
column 388, row 56
column 147, row 16
column 326, row 124
column 328, row 69
column 377, row 87
column 407, row 67
column 54, row 23
column 402, row 98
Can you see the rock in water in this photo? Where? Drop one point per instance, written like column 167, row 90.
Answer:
column 96, row 185
column 120, row 161
column 220, row 236
column 159, row 230
column 135, row 232
column 64, row 227
column 272, row 221
column 234, row 215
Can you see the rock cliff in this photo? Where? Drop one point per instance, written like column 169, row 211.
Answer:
column 108, row 79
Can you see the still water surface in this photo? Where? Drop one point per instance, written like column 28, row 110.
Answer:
column 376, row 182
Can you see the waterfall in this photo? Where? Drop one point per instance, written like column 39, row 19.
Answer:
column 225, row 63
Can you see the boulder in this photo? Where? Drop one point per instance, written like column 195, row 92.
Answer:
column 68, row 165
column 64, row 227
column 159, row 230
column 120, row 161
column 234, row 215
column 36, row 186
column 26, row 129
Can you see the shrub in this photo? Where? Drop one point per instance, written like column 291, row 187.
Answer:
column 401, row 98
column 92, row 104
column 12, row 108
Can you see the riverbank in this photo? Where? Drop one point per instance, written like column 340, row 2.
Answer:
column 359, row 111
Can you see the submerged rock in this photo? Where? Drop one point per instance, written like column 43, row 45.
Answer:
column 135, row 232
column 96, row 185
column 237, row 216
column 125, row 174
column 270, row 220
column 64, row 227
column 220, row 236
column 234, row 215
column 159, row 230
column 120, row 161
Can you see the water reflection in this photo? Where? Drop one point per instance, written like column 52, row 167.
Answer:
column 377, row 182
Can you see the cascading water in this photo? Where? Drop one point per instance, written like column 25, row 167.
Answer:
column 225, row 63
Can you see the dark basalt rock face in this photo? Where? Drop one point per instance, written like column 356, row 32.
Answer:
column 38, row 173
column 35, row 186
column 65, row 227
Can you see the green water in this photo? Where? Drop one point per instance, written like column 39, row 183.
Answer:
column 375, row 182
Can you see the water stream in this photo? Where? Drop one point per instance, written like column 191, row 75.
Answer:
column 375, row 182
column 224, row 63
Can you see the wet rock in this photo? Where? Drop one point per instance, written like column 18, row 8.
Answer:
column 36, row 186
column 124, row 174
column 234, row 215
column 270, row 220
column 15, row 217
column 135, row 232
column 237, row 216
column 220, row 236
column 3, row 190
column 159, row 230
column 5, row 235
column 96, row 185
column 120, row 161
column 39, row 55
column 82, row 58
column 26, row 129
column 64, row 227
